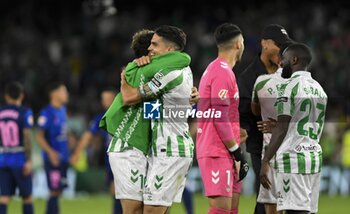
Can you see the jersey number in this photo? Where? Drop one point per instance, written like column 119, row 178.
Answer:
column 9, row 133
column 306, row 106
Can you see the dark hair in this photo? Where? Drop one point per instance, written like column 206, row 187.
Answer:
column 14, row 90
column 302, row 52
column 172, row 34
column 53, row 86
column 225, row 32
column 141, row 41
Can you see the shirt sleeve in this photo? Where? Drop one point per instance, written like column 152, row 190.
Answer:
column 28, row 119
column 44, row 120
column 94, row 125
column 220, row 100
column 161, row 83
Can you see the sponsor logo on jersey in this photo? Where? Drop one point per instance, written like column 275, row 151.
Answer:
column 223, row 94
column 304, row 147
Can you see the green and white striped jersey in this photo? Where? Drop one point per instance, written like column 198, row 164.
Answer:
column 265, row 94
column 170, row 134
column 305, row 101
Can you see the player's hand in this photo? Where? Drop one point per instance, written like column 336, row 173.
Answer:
column 264, row 180
column 267, row 125
column 74, row 159
column 242, row 168
column 195, row 97
column 27, row 168
column 54, row 158
column 144, row 60
column 241, row 164
column 243, row 135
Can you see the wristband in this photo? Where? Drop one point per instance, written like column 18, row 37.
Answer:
column 233, row 148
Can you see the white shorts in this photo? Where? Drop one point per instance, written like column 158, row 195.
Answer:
column 269, row 196
column 129, row 169
column 298, row 191
column 166, row 180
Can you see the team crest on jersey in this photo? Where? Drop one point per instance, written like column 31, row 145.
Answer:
column 223, row 94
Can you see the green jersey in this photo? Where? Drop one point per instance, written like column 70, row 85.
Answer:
column 305, row 101
column 126, row 123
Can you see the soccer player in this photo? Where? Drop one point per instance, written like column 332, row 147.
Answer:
column 107, row 97
column 301, row 106
column 172, row 146
column 52, row 138
column 263, row 103
column 15, row 149
column 273, row 36
column 218, row 139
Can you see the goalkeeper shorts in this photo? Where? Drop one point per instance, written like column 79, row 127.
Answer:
column 219, row 176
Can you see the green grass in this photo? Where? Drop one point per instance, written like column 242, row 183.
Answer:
column 102, row 205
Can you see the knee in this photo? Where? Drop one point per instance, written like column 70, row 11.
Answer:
column 5, row 200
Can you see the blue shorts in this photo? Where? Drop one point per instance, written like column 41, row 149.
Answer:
column 56, row 176
column 10, row 178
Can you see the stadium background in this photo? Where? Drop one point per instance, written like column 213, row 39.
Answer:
column 86, row 42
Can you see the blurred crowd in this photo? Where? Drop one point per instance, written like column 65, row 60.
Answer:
column 74, row 41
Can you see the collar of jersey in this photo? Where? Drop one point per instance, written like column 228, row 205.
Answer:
column 302, row 73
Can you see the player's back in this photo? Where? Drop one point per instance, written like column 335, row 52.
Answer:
column 307, row 108
column 13, row 120
column 53, row 121
column 217, row 87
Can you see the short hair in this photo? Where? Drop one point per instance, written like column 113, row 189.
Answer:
column 172, row 34
column 141, row 40
column 302, row 52
column 53, row 86
column 14, row 90
column 226, row 32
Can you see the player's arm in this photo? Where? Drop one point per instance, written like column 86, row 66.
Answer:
column 220, row 100
column 43, row 123
column 83, row 143
column 27, row 142
column 130, row 95
column 284, row 111
column 85, row 140
column 255, row 105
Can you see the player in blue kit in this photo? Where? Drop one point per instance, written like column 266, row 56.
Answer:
column 15, row 149
column 107, row 97
column 52, row 137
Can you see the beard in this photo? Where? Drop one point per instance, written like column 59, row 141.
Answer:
column 287, row 71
